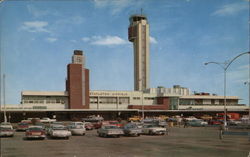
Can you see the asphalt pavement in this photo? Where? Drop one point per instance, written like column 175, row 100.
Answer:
column 181, row 142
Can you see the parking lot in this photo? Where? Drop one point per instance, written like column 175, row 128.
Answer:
column 181, row 142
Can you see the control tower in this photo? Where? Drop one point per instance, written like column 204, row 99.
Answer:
column 138, row 33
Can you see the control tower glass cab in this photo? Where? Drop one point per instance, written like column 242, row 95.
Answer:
column 138, row 33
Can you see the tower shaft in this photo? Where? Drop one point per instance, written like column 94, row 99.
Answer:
column 138, row 33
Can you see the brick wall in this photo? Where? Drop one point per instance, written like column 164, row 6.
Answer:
column 75, row 88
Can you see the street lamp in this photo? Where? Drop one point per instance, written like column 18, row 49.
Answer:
column 225, row 66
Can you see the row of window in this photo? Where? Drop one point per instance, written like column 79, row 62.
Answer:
column 212, row 104
column 57, row 101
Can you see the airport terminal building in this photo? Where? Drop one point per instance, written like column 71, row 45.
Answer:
column 77, row 94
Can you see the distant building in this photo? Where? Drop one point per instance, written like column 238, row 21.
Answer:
column 138, row 33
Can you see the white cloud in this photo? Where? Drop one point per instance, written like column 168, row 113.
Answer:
column 104, row 40
column 152, row 40
column 51, row 40
column 85, row 39
column 115, row 6
column 230, row 9
column 109, row 40
column 35, row 26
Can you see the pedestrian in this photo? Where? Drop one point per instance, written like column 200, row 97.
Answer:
column 185, row 123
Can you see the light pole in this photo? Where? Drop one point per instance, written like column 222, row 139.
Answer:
column 142, row 99
column 4, row 103
column 225, row 66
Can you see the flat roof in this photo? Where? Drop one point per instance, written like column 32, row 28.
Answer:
column 44, row 93
column 207, row 97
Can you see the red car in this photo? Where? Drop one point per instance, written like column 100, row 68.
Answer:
column 22, row 126
column 215, row 122
column 35, row 132
column 116, row 123
column 89, row 126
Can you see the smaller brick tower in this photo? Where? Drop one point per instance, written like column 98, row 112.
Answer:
column 77, row 83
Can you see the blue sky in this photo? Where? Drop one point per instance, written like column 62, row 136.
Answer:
column 38, row 39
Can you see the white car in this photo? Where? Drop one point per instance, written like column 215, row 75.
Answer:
column 59, row 131
column 153, row 130
column 6, row 131
column 77, row 129
column 110, row 130
column 47, row 120
column 77, row 123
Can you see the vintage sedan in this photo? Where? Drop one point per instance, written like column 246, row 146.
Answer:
column 152, row 129
column 77, row 129
column 110, row 130
column 6, row 131
column 59, row 131
column 89, row 126
column 132, row 129
column 35, row 132
column 22, row 126
column 197, row 122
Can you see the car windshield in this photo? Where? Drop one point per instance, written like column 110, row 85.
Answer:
column 59, row 128
column 35, row 129
column 113, row 123
column 131, row 126
column 22, row 124
column 5, row 128
column 111, row 127
column 150, row 126
column 76, row 126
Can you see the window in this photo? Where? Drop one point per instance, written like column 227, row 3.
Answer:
column 136, row 98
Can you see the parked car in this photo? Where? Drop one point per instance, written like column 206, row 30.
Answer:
column 132, row 129
column 35, row 132
column 116, row 123
column 215, row 122
column 110, row 130
column 89, row 126
column 134, row 119
column 22, row 126
column 196, row 122
column 59, row 131
column 26, row 121
column 153, row 130
column 97, row 124
column 77, row 129
column 161, row 123
column 138, row 124
column 206, row 117
column 57, row 123
column 93, row 118
column 6, row 131
column 41, row 125
column 77, row 123
column 234, row 122
column 47, row 120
